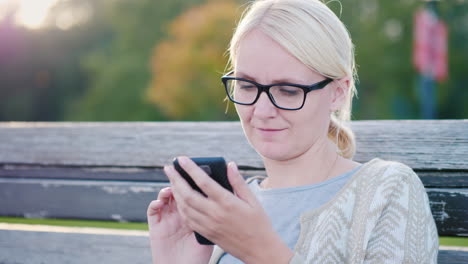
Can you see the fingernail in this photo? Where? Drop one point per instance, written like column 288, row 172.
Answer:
column 167, row 170
column 233, row 166
column 183, row 160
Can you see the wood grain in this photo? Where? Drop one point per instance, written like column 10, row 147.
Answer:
column 128, row 200
column 421, row 144
column 442, row 178
column 108, row 170
column 28, row 247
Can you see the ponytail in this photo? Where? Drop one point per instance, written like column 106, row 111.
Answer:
column 343, row 137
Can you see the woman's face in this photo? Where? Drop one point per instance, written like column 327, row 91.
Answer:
column 275, row 133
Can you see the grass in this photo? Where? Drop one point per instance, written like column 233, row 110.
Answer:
column 445, row 241
column 454, row 241
column 75, row 223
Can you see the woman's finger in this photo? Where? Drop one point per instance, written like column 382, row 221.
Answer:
column 202, row 222
column 187, row 199
column 182, row 191
column 164, row 199
column 154, row 209
column 165, row 194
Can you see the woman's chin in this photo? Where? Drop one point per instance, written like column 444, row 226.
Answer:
column 274, row 151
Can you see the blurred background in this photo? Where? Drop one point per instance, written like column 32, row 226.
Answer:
column 161, row 60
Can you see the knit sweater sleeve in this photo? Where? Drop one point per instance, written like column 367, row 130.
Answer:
column 405, row 231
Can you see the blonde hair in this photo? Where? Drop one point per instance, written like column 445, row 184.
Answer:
column 313, row 34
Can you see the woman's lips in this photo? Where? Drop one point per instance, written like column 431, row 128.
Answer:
column 268, row 132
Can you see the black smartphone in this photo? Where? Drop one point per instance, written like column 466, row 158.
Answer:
column 216, row 168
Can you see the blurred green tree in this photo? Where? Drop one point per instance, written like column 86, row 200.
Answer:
column 382, row 32
column 452, row 94
column 126, row 60
column 120, row 75
column 383, row 35
column 188, row 64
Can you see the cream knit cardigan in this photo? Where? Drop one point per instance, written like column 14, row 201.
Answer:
column 381, row 215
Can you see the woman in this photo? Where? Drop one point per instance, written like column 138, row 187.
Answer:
column 317, row 205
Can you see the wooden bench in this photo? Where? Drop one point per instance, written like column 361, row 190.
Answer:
column 110, row 171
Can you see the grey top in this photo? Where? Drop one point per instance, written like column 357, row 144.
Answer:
column 295, row 201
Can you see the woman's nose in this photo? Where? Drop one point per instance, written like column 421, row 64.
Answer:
column 264, row 108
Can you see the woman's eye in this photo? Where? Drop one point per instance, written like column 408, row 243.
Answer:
column 248, row 87
column 289, row 91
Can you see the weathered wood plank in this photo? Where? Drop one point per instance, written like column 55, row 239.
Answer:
column 127, row 201
column 78, row 199
column 82, row 173
column 28, row 247
column 450, row 210
column 452, row 257
column 145, row 144
column 421, row 144
column 445, row 178
column 441, row 179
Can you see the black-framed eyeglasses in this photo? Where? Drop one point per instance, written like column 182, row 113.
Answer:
column 287, row 96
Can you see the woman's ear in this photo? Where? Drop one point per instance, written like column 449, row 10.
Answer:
column 339, row 93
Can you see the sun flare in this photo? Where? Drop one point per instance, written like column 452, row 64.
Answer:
column 29, row 13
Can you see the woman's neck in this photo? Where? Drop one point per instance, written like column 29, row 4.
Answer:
column 319, row 163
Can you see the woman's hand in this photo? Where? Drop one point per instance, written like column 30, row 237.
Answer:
column 237, row 223
column 172, row 240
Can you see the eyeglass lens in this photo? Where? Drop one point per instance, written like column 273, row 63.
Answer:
column 283, row 96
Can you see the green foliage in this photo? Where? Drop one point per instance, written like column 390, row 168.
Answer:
column 120, row 75
column 383, row 35
column 187, row 65
column 453, row 94
column 117, row 64
column 381, row 32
